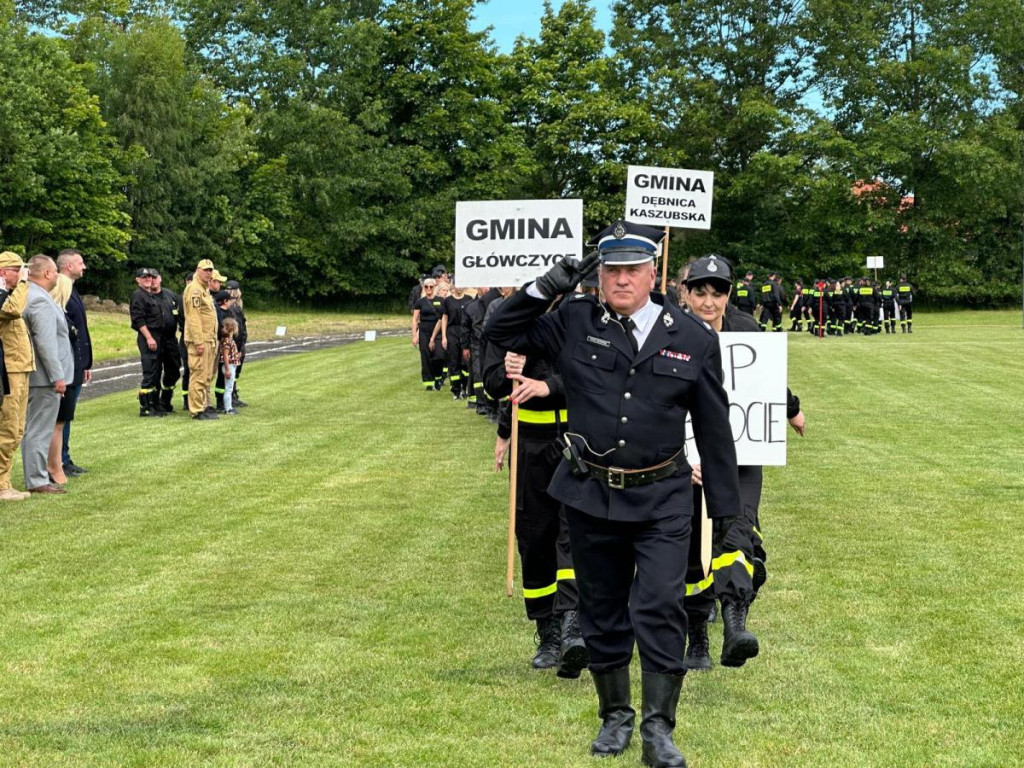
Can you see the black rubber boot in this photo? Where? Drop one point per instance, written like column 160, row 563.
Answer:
column 154, row 404
column 144, row 408
column 617, row 716
column 220, row 402
column 661, row 695
column 572, row 656
column 698, row 650
column 740, row 643
column 166, row 395
column 184, row 401
column 548, row 642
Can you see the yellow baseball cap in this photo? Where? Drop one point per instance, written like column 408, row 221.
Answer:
column 10, row 259
column 205, row 264
column 217, row 276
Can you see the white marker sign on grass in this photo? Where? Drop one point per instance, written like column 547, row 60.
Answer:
column 511, row 242
column 669, row 197
column 755, row 379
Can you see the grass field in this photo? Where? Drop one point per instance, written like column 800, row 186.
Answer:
column 113, row 338
column 320, row 581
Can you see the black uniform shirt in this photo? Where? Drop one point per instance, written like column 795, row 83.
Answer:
column 145, row 309
column 455, row 309
column 170, row 304
column 629, row 411
column 430, row 312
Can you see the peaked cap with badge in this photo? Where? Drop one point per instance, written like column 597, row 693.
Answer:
column 711, row 269
column 627, row 243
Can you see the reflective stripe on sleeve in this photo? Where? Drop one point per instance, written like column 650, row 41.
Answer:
column 540, row 591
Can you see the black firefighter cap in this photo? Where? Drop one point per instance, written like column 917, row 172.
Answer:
column 627, row 243
column 711, row 269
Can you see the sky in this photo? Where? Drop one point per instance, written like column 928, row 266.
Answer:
column 511, row 18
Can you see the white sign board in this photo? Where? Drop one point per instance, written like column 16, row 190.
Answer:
column 511, row 242
column 669, row 197
column 876, row 262
column 755, row 379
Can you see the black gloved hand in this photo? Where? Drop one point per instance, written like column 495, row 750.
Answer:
column 565, row 275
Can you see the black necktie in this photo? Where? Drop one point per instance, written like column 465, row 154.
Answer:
column 628, row 325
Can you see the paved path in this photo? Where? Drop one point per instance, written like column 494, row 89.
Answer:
column 120, row 375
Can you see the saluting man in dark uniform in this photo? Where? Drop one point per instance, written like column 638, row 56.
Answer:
column 632, row 369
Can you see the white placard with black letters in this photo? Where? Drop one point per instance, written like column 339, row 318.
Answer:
column 755, row 368
column 511, row 242
column 669, row 197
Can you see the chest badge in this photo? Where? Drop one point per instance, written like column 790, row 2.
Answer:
column 674, row 355
column 667, row 320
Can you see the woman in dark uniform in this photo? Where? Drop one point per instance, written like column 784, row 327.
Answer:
column 426, row 313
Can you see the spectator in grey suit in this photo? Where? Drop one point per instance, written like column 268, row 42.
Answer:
column 55, row 366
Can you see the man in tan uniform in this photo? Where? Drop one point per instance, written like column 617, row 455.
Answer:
column 200, row 339
column 20, row 363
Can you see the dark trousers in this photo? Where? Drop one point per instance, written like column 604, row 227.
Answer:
column 542, row 536
column 773, row 313
column 431, row 364
column 170, row 362
column 458, row 369
column 730, row 577
column 632, row 578
column 150, row 366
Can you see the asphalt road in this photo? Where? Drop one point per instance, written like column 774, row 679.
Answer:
column 120, row 375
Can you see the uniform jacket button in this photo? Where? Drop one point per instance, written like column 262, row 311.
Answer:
column 593, row 357
column 632, row 371
column 622, row 443
column 627, row 396
column 625, row 419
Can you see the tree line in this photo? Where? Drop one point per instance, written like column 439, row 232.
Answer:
column 316, row 148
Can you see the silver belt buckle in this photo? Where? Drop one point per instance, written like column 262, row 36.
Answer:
column 616, row 478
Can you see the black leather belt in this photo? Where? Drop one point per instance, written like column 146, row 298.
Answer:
column 619, row 478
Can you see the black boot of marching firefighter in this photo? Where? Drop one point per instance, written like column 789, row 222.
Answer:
column 220, row 402
column 549, row 632
column 698, row 652
column 617, row 716
column 661, row 696
column 572, row 656
column 740, row 643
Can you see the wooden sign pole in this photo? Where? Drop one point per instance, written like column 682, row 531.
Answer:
column 664, row 261
column 513, row 466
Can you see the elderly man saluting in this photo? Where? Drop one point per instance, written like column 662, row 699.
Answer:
column 633, row 368
column 19, row 362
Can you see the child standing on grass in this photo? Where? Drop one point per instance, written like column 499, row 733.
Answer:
column 229, row 359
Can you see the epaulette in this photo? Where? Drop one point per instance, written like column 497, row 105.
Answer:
column 699, row 323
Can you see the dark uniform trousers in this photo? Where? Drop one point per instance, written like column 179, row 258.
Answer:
column 542, row 537
column 431, row 364
column 628, row 409
column 169, row 361
column 458, row 369
column 732, row 550
column 150, row 364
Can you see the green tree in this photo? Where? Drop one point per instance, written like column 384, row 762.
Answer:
column 59, row 185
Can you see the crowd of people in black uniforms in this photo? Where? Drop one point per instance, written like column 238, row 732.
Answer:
column 829, row 307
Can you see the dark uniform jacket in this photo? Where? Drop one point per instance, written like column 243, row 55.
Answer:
column 904, row 294
column 145, row 309
column 771, row 294
column 630, row 412
column 746, row 299
column 78, row 329
column 170, row 303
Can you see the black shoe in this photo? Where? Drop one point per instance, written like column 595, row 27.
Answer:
column 548, row 641
column 740, row 643
column 617, row 716
column 73, row 470
column 209, row 409
column 236, row 403
column 438, row 383
column 698, row 652
column 572, row 655
column 660, row 698
column 205, row 416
